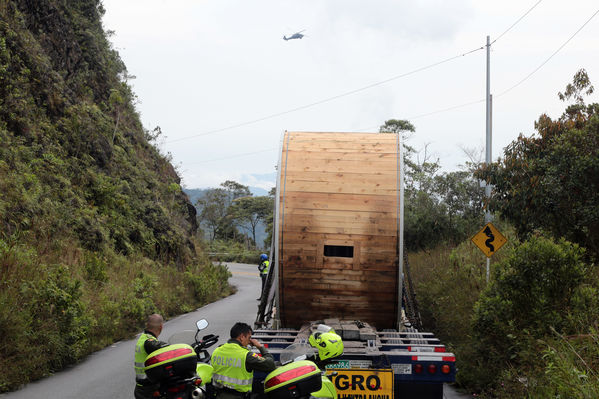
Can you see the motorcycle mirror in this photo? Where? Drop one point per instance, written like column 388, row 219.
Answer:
column 201, row 324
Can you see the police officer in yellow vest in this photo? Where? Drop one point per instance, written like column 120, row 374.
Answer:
column 146, row 344
column 234, row 364
column 263, row 269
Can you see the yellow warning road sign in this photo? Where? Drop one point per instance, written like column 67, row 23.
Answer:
column 489, row 239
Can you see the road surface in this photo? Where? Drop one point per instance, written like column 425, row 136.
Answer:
column 109, row 373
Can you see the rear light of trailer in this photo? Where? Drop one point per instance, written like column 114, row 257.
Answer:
column 445, row 369
column 432, row 368
column 418, row 368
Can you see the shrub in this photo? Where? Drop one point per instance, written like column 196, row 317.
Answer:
column 531, row 294
column 210, row 283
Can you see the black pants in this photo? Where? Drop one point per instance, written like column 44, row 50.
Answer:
column 263, row 277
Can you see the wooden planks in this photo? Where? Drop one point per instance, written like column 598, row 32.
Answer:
column 338, row 189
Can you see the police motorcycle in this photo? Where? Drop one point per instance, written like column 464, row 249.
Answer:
column 182, row 368
column 303, row 374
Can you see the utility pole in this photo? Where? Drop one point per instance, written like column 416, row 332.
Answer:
column 488, row 147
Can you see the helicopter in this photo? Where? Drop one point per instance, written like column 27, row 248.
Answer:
column 297, row 35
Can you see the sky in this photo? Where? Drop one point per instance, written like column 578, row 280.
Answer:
column 223, row 85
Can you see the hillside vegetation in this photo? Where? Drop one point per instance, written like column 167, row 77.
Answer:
column 95, row 231
column 533, row 330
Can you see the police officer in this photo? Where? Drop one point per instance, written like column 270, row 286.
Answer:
column 234, row 364
column 263, row 269
column 146, row 344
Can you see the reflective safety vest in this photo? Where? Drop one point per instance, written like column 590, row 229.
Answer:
column 228, row 361
column 266, row 265
column 140, row 356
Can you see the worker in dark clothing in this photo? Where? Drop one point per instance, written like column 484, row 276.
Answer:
column 147, row 343
column 234, row 364
column 263, row 269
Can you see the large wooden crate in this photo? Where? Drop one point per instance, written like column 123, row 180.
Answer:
column 338, row 228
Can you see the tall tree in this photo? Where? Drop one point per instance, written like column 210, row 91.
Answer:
column 248, row 212
column 549, row 180
column 215, row 206
column 438, row 207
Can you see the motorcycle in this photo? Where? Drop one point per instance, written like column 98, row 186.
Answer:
column 303, row 371
column 181, row 369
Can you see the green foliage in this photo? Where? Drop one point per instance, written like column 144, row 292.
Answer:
column 43, row 322
column 571, row 367
column 439, row 207
column 226, row 210
column 210, row 282
column 530, row 293
column 232, row 251
column 530, row 331
column 248, row 212
column 548, row 180
column 95, row 231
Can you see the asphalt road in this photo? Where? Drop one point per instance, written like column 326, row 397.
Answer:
column 109, row 373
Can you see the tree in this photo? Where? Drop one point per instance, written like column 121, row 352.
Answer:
column 213, row 210
column 399, row 126
column 234, row 190
column 248, row 212
column 549, row 180
column 439, row 207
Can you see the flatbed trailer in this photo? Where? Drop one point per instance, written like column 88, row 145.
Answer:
column 337, row 258
column 377, row 364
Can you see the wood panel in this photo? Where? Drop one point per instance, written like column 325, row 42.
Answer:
column 354, row 215
column 339, row 189
column 340, row 221
column 361, row 136
column 296, row 160
column 369, row 143
column 349, row 229
column 341, row 166
column 364, row 239
column 381, row 180
column 348, row 202
column 364, row 186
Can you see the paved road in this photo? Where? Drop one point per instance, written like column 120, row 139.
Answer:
column 109, row 373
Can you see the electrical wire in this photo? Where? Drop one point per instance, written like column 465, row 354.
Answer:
column 549, row 58
column 406, row 74
column 348, row 93
column 231, row 156
column 517, row 21
column 328, row 99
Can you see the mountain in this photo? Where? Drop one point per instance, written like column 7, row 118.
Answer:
column 95, row 230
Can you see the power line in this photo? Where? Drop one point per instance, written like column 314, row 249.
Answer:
column 231, row 156
column 241, row 124
column 348, row 93
column 402, row 75
column 550, row 57
column 464, row 104
column 446, row 109
column 517, row 21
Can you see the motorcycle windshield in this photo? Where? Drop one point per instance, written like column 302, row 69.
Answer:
column 183, row 337
column 297, row 352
